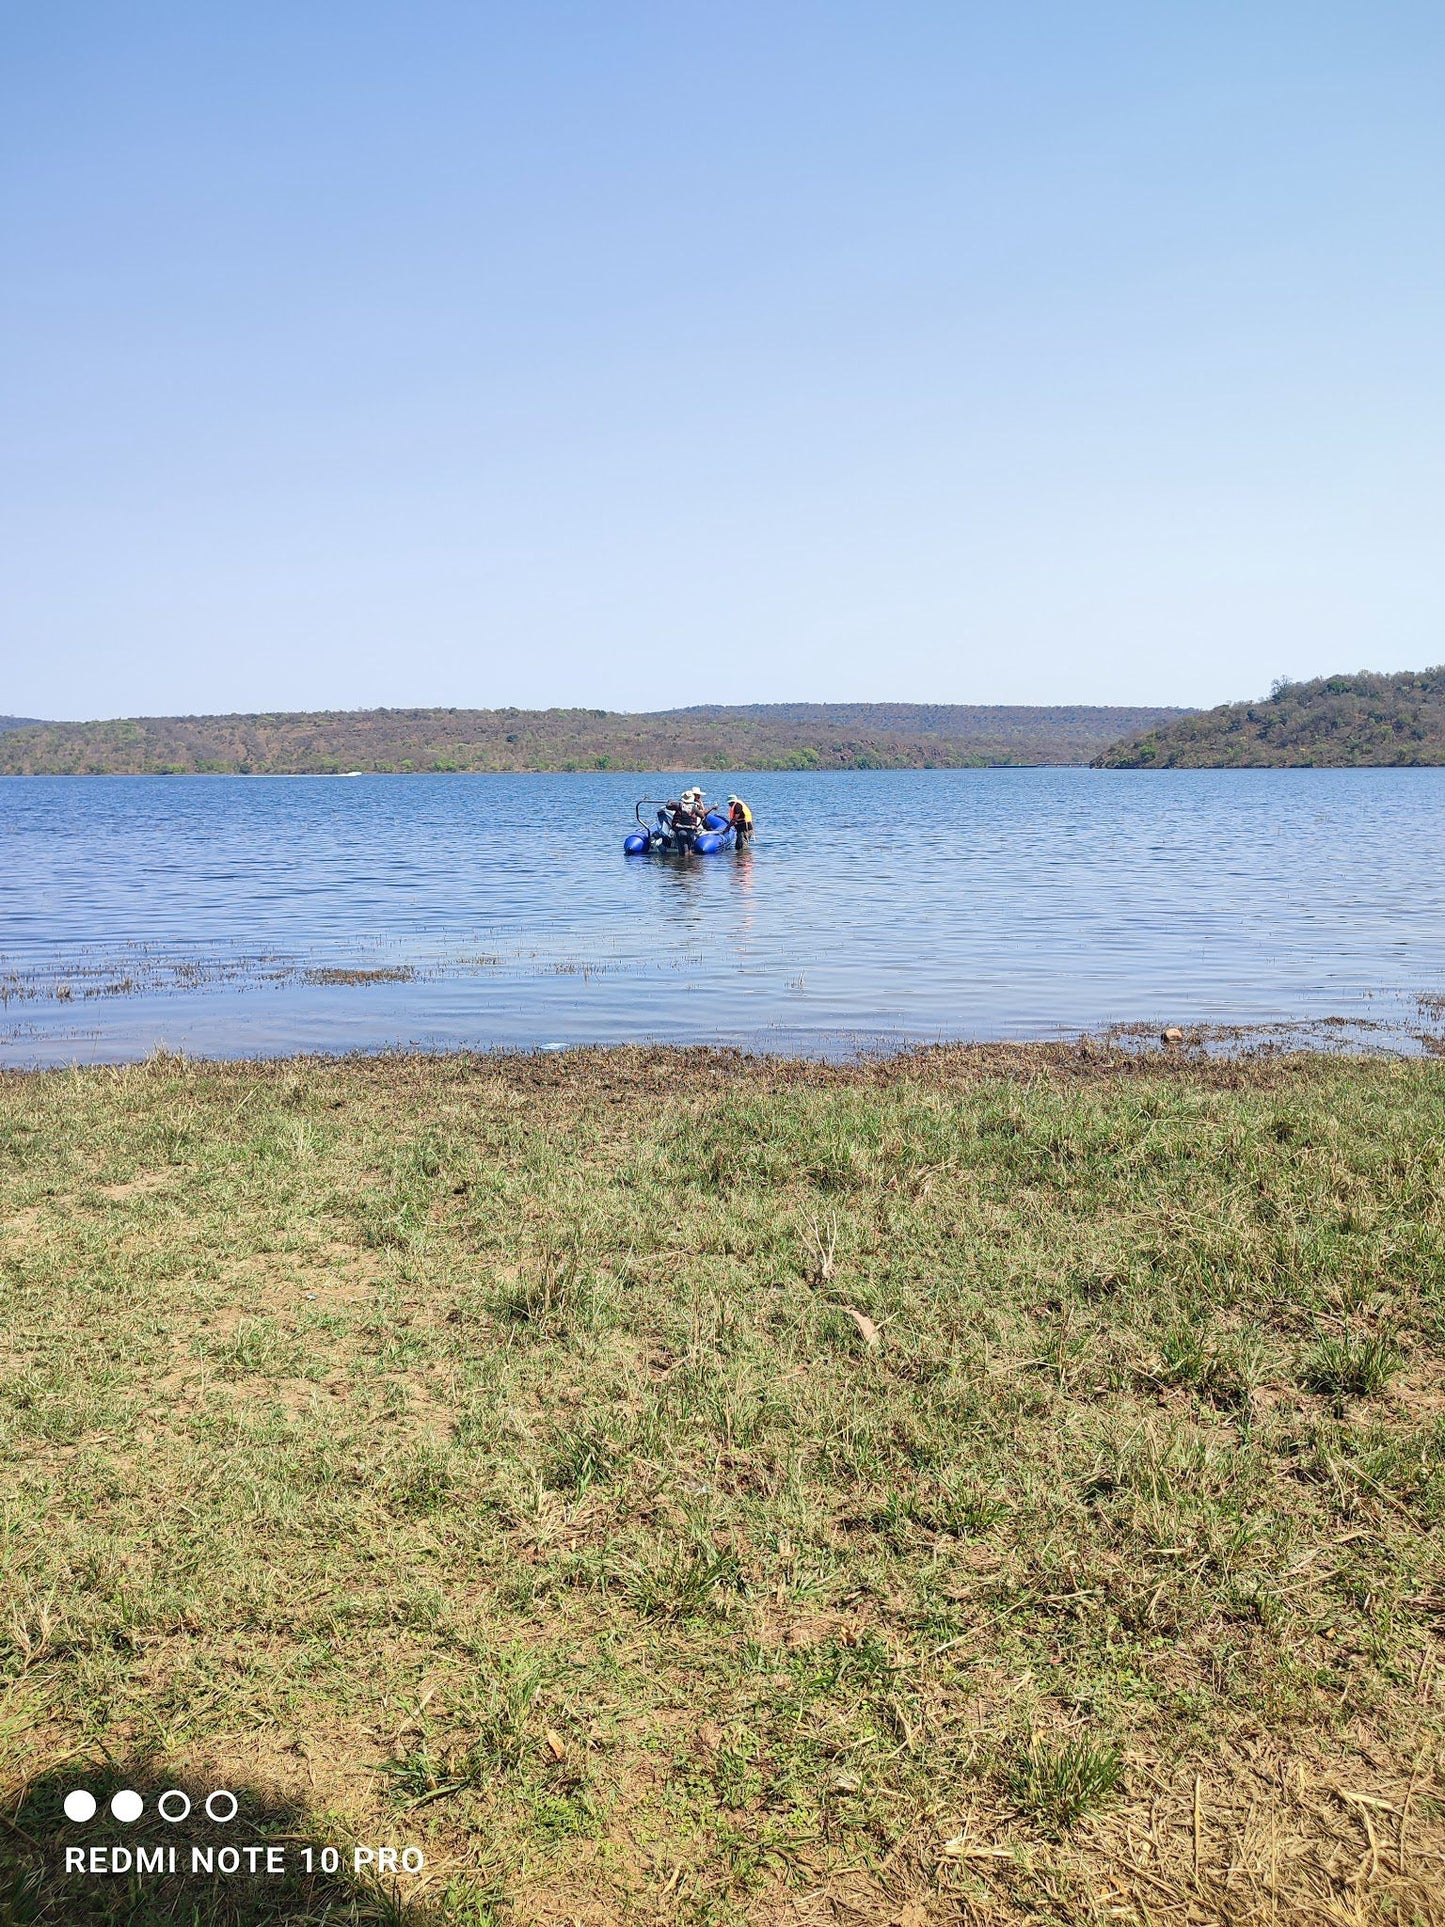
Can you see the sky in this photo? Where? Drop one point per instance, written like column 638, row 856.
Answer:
column 630, row 355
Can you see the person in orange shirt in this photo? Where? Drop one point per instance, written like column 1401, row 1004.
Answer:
column 741, row 818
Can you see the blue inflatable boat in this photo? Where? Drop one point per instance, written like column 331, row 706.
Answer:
column 661, row 833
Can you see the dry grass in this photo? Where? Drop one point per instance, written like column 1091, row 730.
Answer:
column 492, row 1455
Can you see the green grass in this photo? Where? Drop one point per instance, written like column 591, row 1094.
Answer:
column 1353, row 1364
column 487, row 1455
column 1060, row 1784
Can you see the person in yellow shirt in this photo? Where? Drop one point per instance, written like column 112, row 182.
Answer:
column 741, row 818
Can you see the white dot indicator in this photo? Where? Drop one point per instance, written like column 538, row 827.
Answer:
column 177, row 1809
column 221, row 1805
column 80, row 1805
column 127, row 1806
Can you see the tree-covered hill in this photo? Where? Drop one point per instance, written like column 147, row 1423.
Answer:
column 1332, row 722
column 720, row 737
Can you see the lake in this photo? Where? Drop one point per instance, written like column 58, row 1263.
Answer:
column 228, row 916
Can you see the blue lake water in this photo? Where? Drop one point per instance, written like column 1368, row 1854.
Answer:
column 205, row 913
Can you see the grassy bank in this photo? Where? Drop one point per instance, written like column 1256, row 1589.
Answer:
column 1002, row 1485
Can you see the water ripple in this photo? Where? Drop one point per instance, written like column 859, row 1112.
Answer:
column 229, row 914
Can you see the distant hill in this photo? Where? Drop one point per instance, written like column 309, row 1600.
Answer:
column 710, row 737
column 17, row 722
column 1332, row 722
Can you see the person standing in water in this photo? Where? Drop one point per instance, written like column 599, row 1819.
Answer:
column 685, row 815
column 741, row 818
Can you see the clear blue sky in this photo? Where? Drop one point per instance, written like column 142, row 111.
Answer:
column 635, row 354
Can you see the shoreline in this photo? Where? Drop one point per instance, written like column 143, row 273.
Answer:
column 721, row 771
column 1119, row 1048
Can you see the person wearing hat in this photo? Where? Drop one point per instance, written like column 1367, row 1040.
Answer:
column 741, row 818
column 686, row 813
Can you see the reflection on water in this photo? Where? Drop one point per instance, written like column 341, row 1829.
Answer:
column 226, row 915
